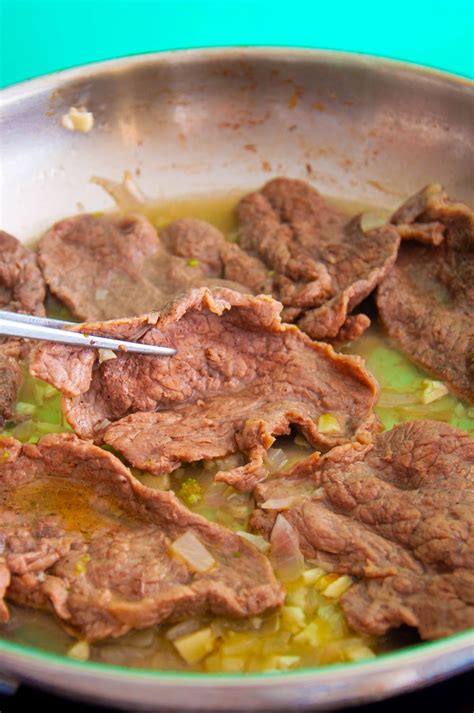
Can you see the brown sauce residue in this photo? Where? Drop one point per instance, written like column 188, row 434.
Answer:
column 77, row 506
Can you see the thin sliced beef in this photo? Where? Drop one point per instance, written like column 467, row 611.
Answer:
column 239, row 379
column 322, row 264
column 10, row 382
column 426, row 302
column 105, row 266
column 22, row 287
column 399, row 515
column 81, row 536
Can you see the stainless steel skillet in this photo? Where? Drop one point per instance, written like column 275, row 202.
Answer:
column 204, row 121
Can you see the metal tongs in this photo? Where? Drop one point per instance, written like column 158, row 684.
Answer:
column 27, row 326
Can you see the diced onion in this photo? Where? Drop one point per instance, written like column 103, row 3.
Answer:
column 432, row 391
column 127, row 194
column 141, row 639
column 293, row 618
column 311, row 635
column 101, row 294
column 106, row 354
column 196, row 646
column 80, row 650
column 278, row 503
column 312, row 575
column 182, row 629
column 257, row 540
column 78, row 120
column 285, row 551
column 338, row 587
column 357, row 651
column 276, row 459
column 193, row 552
column 25, row 408
column 371, row 220
column 327, row 423
column 283, row 663
column 156, row 482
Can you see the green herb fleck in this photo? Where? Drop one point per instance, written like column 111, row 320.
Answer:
column 81, row 564
column 191, row 492
column 193, row 262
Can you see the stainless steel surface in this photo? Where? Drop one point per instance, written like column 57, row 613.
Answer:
column 219, row 120
column 33, row 319
column 40, row 329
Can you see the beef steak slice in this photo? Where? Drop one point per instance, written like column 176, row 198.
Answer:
column 399, row 515
column 22, row 287
column 81, row 536
column 323, row 264
column 239, row 379
column 10, row 382
column 426, row 302
column 105, row 267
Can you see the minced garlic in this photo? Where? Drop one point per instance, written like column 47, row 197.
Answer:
column 78, row 120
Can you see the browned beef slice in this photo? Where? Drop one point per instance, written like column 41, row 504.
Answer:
column 398, row 514
column 324, row 265
column 22, row 286
column 239, row 379
column 81, row 536
column 10, row 382
column 426, row 302
column 195, row 239
column 104, row 267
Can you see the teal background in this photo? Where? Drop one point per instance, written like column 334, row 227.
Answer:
column 39, row 36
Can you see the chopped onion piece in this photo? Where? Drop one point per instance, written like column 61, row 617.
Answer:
column 184, row 628
column 278, row 503
column 285, row 551
column 49, row 391
column 338, row 587
column 311, row 635
column 372, row 219
column 156, row 482
column 312, row 575
column 293, row 618
column 193, row 552
column 257, row 540
column 127, row 194
column 283, row 663
column 432, row 391
column 194, row 647
column 78, row 120
column 327, row 423
column 357, row 651
column 276, row 459
column 80, row 650
column 105, row 355
column 300, row 440
column 101, row 294
column 25, row 408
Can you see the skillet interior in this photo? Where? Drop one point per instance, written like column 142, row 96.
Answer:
column 364, row 129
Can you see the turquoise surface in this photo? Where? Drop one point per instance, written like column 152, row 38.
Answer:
column 40, row 36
